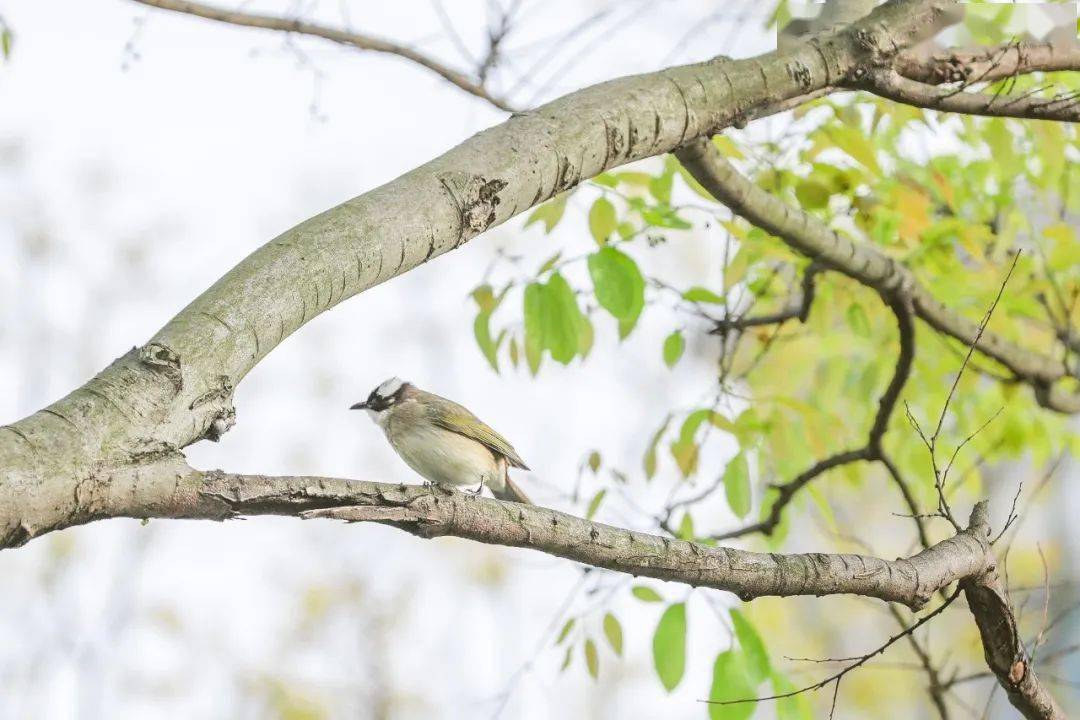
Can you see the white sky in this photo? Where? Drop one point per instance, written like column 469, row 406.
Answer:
column 145, row 184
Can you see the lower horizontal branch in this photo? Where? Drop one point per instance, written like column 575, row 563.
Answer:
column 430, row 512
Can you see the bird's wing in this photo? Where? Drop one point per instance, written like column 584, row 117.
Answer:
column 453, row 417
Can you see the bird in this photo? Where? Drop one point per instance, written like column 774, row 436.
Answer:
column 442, row 441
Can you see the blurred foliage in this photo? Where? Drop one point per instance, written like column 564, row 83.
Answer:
column 952, row 198
column 7, row 40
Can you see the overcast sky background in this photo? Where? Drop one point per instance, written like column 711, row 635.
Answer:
column 142, row 154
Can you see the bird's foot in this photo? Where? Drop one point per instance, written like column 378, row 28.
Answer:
column 479, row 489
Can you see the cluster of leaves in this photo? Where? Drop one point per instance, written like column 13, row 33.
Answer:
column 953, row 198
column 740, row 672
column 557, row 317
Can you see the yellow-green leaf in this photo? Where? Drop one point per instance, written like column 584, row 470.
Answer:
column 674, row 346
column 617, row 282
column 669, row 646
column 550, row 213
column 602, row 220
column 592, row 660
column 731, row 683
column 613, row 633
column 565, row 631
column 737, row 485
column 753, row 649
column 645, row 593
column 594, row 504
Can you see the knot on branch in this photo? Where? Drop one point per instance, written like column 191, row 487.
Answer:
column 163, row 359
column 476, row 198
column 221, row 417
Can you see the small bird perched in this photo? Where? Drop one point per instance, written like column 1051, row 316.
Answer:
column 442, row 441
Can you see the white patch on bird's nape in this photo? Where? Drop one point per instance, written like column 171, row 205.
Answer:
column 389, row 387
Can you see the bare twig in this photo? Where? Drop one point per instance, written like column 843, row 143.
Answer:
column 891, row 85
column 353, row 39
column 858, row 662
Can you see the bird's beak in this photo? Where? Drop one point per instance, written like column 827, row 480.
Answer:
column 359, row 406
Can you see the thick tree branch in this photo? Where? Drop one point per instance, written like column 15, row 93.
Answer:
column 1004, row 650
column 360, row 41
column 431, row 512
column 893, row 86
column 813, row 238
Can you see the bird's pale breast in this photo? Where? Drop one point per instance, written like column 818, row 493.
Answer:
column 442, row 456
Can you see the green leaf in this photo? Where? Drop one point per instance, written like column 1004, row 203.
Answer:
column 755, row 655
column 669, row 646
column 686, row 527
column 857, row 320
column 856, row 144
column 730, row 683
column 649, row 461
column 812, row 195
column 727, row 147
column 594, row 504
column 562, row 319
column 514, row 354
column 550, row 213
column 6, row 40
column 694, row 421
column 630, row 177
column 613, row 633
column 660, row 187
column 645, row 593
column 607, row 180
column 586, row 336
column 549, row 263
column 699, row 294
column 567, row 658
column 737, row 267
column 665, row 217
column 485, row 298
column 685, row 454
column 693, row 184
column 594, row 461
column 618, row 283
column 795, row 707
column 602, row 220
column 674, row 346
column 488, row 346
column 565, row 632
column 534, row 325
column 737, row 485
column 592, row 660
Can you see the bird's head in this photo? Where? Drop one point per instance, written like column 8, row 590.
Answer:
column 384, row 397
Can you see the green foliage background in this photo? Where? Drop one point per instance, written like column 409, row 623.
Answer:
column 952, row 198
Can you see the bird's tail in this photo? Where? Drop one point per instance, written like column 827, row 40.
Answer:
column 512, row 492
